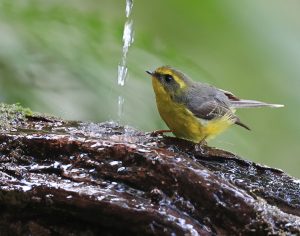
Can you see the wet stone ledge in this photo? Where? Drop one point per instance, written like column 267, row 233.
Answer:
column 71, row 178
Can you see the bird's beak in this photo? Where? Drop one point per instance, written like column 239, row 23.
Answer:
column 149, row 72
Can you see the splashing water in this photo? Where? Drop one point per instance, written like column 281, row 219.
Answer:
column 127, row 41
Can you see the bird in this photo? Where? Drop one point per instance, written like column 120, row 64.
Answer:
column 196, row 111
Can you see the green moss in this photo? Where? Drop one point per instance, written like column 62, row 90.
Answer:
column 12, row 115
column 24, row 110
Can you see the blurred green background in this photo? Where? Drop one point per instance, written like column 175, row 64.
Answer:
column 61, row 57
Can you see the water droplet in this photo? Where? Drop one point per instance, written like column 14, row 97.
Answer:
column 113, row 163
column 121, row 169
column 143, row 150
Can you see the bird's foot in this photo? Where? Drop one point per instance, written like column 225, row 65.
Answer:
column 159, row 132
column 201, row 146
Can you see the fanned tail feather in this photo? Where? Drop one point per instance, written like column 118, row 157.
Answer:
column 252, row 104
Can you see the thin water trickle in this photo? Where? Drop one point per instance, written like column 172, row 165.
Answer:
column 127, row 41
column 122, row 73
column 120, row 106
column 129, row 4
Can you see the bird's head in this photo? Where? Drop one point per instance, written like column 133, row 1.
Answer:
column 169, row 80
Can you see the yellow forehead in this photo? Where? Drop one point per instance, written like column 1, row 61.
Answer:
column 169, row 71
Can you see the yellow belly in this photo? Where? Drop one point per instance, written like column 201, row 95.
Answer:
column 184, row 124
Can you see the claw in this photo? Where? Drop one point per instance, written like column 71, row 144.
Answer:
column 159, row 132
column 200, row 147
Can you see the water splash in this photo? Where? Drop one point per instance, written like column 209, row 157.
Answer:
column 127, row 41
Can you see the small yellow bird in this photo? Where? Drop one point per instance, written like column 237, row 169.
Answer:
column 196, row 111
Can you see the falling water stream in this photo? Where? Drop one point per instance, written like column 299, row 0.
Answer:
column 122, row 67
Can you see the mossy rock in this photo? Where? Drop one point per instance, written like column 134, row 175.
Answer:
column 12, row 115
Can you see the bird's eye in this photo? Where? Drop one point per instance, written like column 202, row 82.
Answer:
column 168, row 78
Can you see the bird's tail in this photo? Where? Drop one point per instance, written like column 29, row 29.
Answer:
column 238, row 122
column 252, row 103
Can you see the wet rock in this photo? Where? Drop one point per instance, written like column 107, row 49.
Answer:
column 71, row 178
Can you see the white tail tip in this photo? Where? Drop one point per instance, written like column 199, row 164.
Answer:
column 276, row 105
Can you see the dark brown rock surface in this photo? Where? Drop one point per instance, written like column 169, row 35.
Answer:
column 70, row 178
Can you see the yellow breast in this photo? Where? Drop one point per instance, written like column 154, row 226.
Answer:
column 183, row 123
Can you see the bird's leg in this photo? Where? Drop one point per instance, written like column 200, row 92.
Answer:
column 201, row 145
column 160, row 132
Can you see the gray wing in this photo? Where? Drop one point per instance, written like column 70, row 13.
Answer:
column 209, row 110
column 207, row 102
